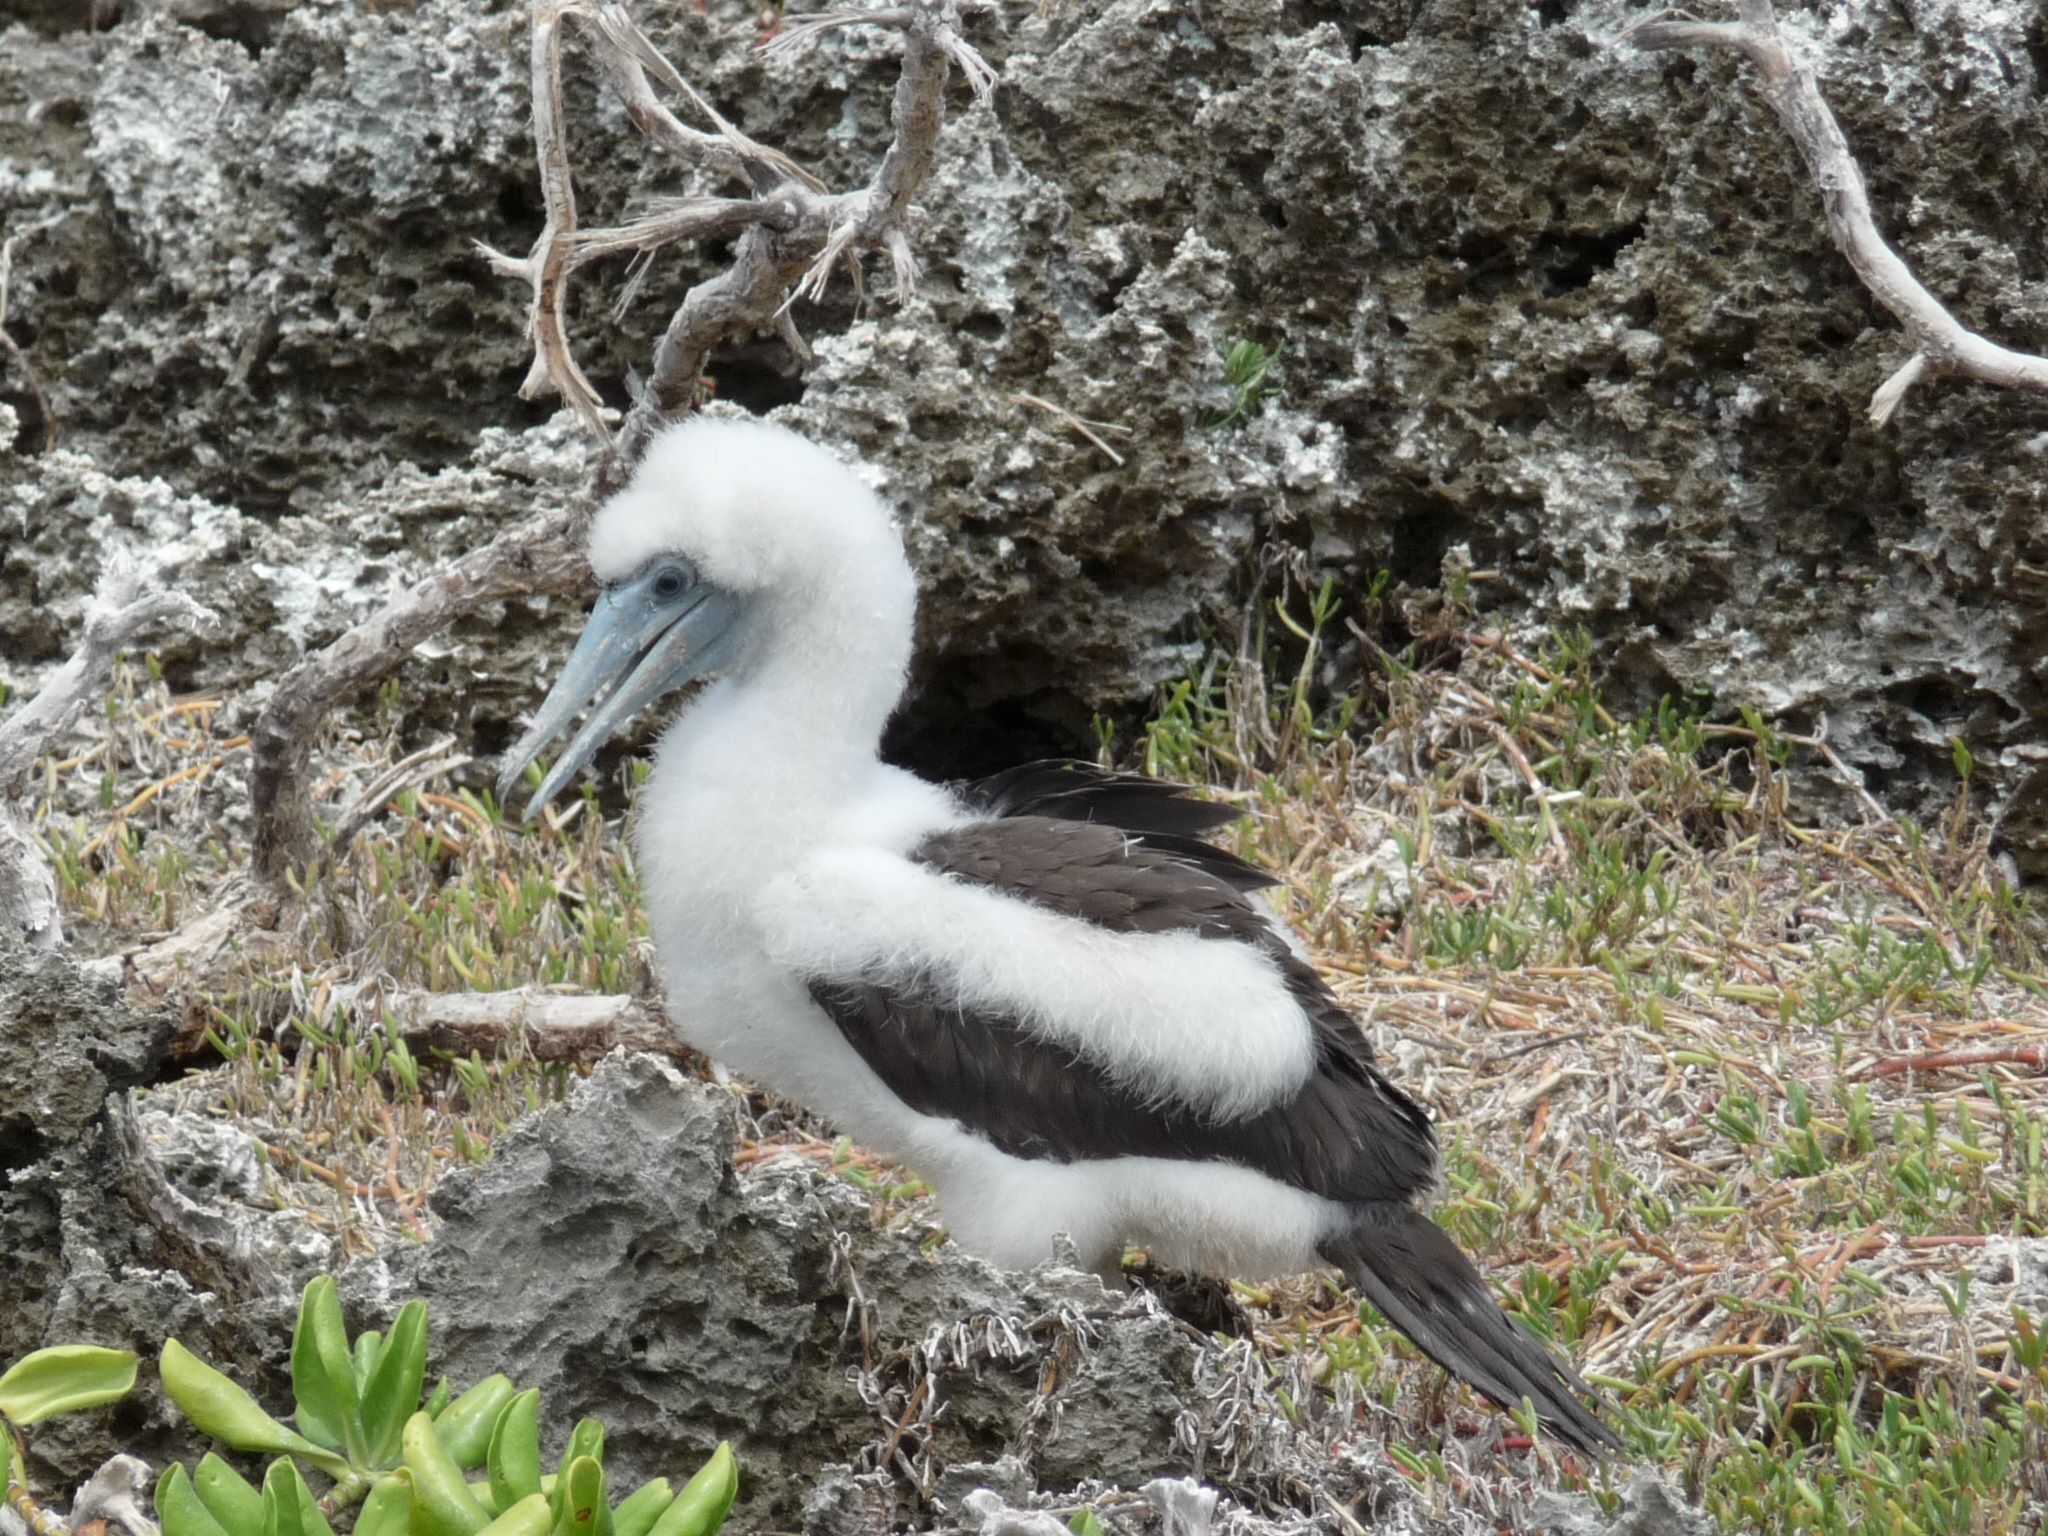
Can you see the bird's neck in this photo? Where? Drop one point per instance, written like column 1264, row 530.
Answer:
column 766, row 759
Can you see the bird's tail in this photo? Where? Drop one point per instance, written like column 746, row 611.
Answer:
column 1399, row 1260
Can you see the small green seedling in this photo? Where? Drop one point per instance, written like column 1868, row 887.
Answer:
column 1246, row 365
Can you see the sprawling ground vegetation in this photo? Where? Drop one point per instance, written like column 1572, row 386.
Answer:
column 1743, row 1079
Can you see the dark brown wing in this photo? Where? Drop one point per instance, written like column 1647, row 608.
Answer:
column 1158, row 813
column 1347, row 1134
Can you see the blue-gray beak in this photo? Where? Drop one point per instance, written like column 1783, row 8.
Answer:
column 645, row 638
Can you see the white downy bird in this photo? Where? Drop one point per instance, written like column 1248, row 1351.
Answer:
column 1044, row 991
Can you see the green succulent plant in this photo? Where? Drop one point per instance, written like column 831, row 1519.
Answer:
column 361, row 1422
column 352, row 1399
column 41, row 1385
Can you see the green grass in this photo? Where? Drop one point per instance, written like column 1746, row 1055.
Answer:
column 1665, row 1013
column 1740, row 1083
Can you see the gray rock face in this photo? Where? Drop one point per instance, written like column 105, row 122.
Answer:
column 1571, row 308
column 609, row 1255
column 94, row 1244
column 1649, row 1506
column 65, row 1044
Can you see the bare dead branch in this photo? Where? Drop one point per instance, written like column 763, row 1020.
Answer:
column 917, row 114
column 695, row 218
column 549, row 1026
column 122, row 609
column 546, row 268
column 773, row 270
column 541, row 555
column 1943, row 344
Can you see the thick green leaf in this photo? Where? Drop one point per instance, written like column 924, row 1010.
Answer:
column 180, row 1512
column 702, row 1506
column 529, row 1517
column 388, row 1509
column 63, row 1380
column 580, row 1507
column 289, row 1508
column 324, row 1374
column 481, row 1487
column 586, row 1439
column 364, row 1354
column 638, row 1511
column 442, row 1504
column 393, row 1393
column 437, row 1400
column 228, row 1496
column 217, row 1407
column 514, row 1456
column 465, row 1425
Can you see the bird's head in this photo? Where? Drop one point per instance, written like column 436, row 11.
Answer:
column 734, row 540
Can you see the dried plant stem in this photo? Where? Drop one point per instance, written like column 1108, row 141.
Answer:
column 541, row 555
column 1943, row 344
column 1092, row 430
column 544, row 1025
column 2034, row 1055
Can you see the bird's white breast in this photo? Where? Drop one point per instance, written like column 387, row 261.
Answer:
column 755, row 875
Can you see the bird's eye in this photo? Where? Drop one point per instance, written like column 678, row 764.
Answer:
column 671, row 582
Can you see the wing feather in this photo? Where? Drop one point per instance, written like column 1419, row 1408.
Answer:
column 1346, row 1132
column 1157, row 813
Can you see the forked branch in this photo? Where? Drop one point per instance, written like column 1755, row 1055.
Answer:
column 790, row 230
column 778, row 262
column 539, row 556
column 1943, row 345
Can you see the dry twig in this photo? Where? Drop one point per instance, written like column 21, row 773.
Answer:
column 548, row 1026
column 1943, row 344
column 1092, row 430
column 538, row 556
column 2034, row 1056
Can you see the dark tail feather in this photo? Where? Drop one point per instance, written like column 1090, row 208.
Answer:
column 1403, row 1264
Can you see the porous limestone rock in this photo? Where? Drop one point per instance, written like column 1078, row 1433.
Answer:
column 95, row 1246
column 609, row 1255
column 1571, row 307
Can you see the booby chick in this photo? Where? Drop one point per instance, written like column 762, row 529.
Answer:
column 1043, row 992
